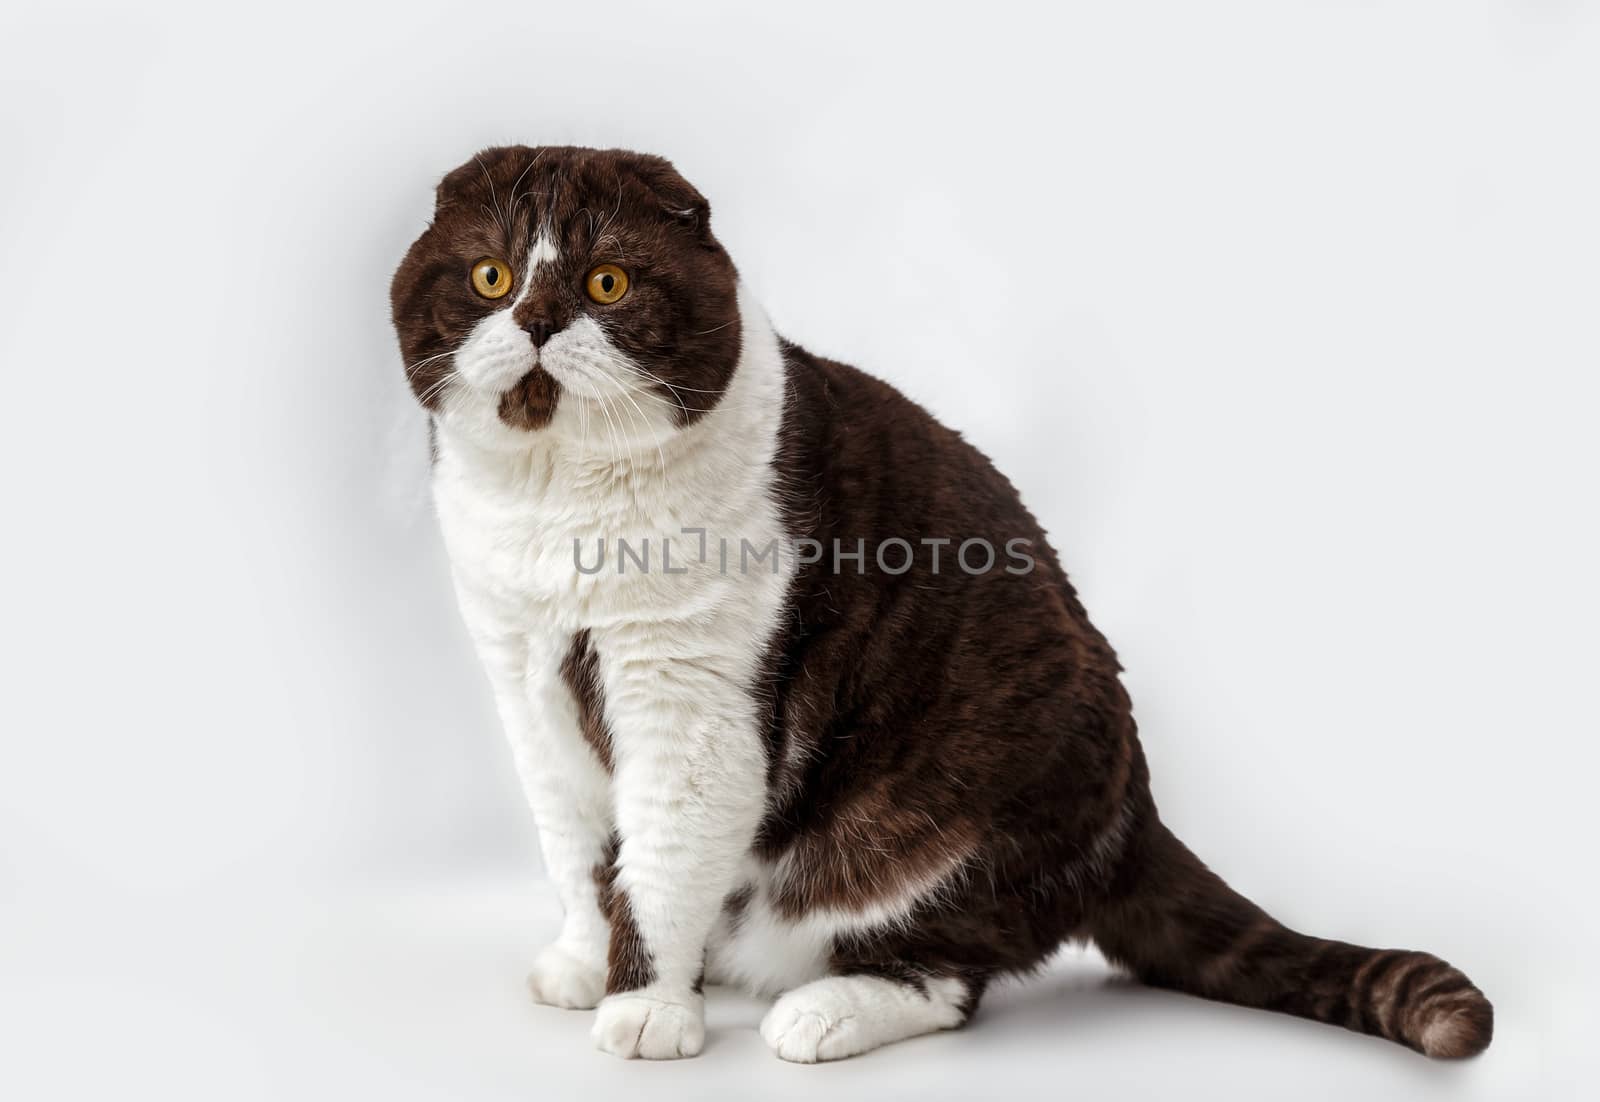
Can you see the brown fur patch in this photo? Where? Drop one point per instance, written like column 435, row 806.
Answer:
column 873, row 850
column 934, row 716
column 737, row 903
column 531, row 402
column 580, row 670
column 629, row 966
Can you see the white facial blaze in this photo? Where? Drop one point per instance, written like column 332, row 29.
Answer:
column 544, row 251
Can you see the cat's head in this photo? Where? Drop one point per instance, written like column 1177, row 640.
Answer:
column 559, row 286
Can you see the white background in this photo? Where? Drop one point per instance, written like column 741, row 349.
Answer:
column 1281, row 315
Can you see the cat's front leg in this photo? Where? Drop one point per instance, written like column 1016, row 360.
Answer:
column 689, row 790
column 537, row 677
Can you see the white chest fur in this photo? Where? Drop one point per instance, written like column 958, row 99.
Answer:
column 526, row 529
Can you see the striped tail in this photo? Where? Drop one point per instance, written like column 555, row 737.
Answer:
column 1173, row 923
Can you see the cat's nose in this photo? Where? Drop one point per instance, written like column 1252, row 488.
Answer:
column 540, row 330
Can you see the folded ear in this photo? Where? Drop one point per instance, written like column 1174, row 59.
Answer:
column 460, row 179
column 444, row 194
column 679, row 199
column 477, row 176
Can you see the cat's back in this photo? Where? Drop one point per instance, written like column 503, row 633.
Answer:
column 862, row 459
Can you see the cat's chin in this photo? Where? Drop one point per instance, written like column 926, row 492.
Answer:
column 530, row 404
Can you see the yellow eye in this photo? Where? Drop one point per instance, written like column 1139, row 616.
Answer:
column 491, row 278
column 606, row 284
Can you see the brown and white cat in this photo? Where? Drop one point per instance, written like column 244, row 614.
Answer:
column 801, row 697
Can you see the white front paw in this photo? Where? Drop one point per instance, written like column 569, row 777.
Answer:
column 561, row 979
column 839, row 1016
column 635, row 1025
column 803, row 1031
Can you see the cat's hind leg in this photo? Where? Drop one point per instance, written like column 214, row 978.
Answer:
column 839, row 1016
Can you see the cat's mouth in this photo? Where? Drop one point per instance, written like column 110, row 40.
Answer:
column 531, row 401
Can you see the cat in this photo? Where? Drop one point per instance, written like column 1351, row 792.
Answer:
column 798, row 691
